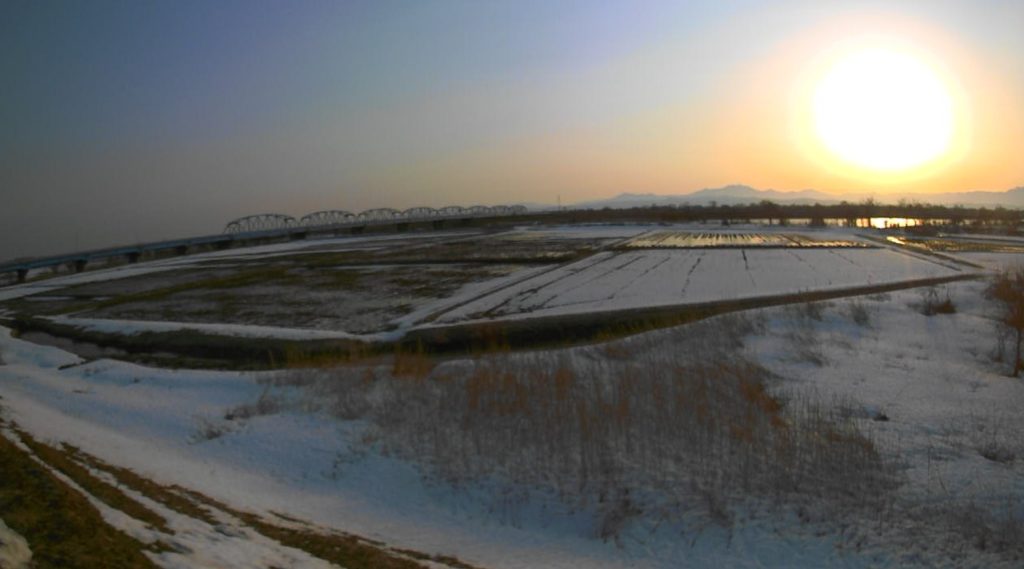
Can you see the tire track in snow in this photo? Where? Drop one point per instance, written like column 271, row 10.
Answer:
column 845, row 258
column 686, row 283
column 638, row 277
column 746, row 269
column 549, row 300
column 854, row 263
column 609, row 297
column 595, row 259
column 813, row 269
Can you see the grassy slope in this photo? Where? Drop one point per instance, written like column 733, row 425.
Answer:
column 62, row 528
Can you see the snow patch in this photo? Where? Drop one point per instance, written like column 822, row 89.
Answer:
column 14, row 550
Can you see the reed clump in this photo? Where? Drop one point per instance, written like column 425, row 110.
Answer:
column 674, row 421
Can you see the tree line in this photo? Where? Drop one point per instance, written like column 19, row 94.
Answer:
column 782, row 213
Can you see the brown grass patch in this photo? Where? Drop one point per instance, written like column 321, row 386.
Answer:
column 62, row 528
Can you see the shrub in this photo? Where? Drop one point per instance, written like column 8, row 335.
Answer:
column 813, row 310
column 993, row 527
column 995, row 438
column 266, row 404
column 859, row 313
column 931, row 304
column 804, row 344
column 1007, row 291
column 996, row 452
column 207, row 429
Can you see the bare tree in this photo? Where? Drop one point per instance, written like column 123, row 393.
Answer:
column 1008, row 290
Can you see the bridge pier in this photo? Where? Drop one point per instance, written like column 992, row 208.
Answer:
column 22, row 275
column 181, row 250
column 133, row 257
column 358, row 229
column 80, row 265
column 298, row 236
column 437, row 224
column 402, row 227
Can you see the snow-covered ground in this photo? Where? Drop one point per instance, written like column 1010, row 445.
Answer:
column 131, row 327
column 607, row 280
column 304, row 466
column 324, row 245
column 14, row 550
column 993, row 261
column 152, row 421
column 612, row 231
column 952, row 419
column 57, row 283
column 948, row 403
column 935, row 394
column 424, row 310
column 940, row 380
column 615, row 281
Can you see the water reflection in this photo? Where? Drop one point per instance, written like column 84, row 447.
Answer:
column 861, row 222
column 893, row 222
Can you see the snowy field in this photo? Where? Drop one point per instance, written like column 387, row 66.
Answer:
column 730, row 239
column 381, row 287
column 657, row 277
column 345, row 288
column 65, row 281
column 371, row 287
column 994, row 261
column 339, row 449
column 947, row 406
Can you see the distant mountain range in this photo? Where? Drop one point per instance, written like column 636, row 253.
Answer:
column 739, row 194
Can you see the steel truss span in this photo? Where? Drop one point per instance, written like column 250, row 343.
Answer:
column 337, row 217
column 261, row 222
column 327, row 217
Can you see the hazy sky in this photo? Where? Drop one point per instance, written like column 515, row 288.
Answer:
column 132, row 120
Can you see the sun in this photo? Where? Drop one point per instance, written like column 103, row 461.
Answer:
column 883, row 110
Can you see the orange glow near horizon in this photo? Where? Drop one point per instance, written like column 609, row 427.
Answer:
column 898, row 109
column 957, row 127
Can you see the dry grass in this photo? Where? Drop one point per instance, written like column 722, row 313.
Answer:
column 62, row 528
column 933, row 303
column 802, row 333
column 859, row 313
column 62, row 459
column 265, row 404
column 958, row 530
column 670, row 423
column 345, row 550
column 173, row 497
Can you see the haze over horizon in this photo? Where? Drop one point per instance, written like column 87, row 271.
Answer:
column 128, row 122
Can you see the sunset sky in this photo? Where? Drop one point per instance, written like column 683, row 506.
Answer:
column 134, row 121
